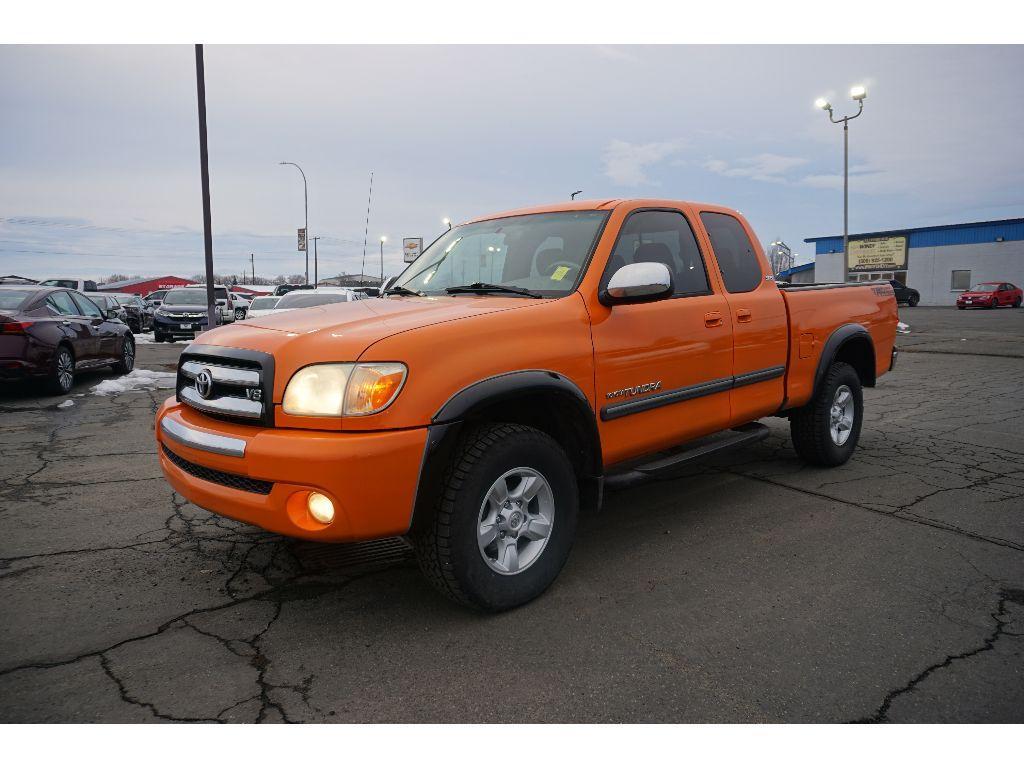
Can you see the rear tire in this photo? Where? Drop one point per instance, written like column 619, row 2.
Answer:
column 825, row 432
column 502, row 526
column 158, row 337
column 912, row 301
column 127, row 362
column 1016, row 303
column 62, row 377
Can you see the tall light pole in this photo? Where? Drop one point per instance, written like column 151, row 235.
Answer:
column 448, row 223
column 305, row 205
column 577, row 192
column 316, row 271
column 858, row 93
column 383, row 239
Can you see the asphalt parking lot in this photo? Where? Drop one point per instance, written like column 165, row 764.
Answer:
column 751, row 589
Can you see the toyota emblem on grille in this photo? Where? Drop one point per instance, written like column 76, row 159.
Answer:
column 204, row 383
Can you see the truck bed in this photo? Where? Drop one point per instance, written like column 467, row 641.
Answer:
column 816, row 310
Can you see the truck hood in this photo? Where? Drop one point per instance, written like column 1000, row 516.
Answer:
column 341, row 332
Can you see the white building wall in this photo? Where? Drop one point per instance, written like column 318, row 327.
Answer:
column 930, row 270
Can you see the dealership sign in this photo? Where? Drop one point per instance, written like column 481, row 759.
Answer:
column 302, row 239
column 877, row 253
column 412, row 247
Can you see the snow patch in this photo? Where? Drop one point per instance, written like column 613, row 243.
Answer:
column 147, row 338
column 137, row 379
column 66, row 404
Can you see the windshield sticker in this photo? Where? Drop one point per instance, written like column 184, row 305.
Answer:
column 559, row 273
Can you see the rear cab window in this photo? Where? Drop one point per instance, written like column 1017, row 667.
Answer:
column 664, row 237
column 737, row 258
column 61, row 303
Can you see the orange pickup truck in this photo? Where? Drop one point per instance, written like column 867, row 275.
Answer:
column 520, row 364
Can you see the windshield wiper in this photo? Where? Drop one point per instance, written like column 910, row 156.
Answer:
column 491, row 288
column 401, row 290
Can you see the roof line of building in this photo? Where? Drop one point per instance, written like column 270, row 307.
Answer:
column 907, row 231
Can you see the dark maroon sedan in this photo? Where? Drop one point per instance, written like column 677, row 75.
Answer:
column 52, row 332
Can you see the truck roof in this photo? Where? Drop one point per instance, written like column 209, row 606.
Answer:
column 597, row 205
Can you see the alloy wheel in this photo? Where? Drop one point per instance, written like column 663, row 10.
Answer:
column 129, row 354
column 515, row 521
column 65, row 370
column 841, row 415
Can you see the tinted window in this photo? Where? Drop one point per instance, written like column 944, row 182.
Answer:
column 295, row 301
column 88, row 307
column 194, row 296
column 11, row 299
column 664, row 237
column 737, row 258
column 61, row 303
column 90, row 285
column 61, row 283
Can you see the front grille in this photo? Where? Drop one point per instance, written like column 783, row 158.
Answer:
column 242, row 383
column 238, row 482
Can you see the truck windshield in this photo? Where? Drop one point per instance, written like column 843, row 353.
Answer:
column 544, row 253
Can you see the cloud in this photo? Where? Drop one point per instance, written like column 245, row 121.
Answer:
column 624, row 163
column 763, row 167
column 616, row 53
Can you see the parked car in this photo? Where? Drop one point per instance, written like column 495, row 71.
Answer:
column 241, row 305
column 52, row 333
column 110, row 306
column 182, row 314
column 905, row 295
column 990, row 296
column 301, row 299
column 140, row 314
column 224, row 303
column 74, row 283
column 281, row 290
column 261, row 305
column 155, row 299
column 484, row 402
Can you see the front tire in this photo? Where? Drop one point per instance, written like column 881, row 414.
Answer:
column 127, row 362
column 504, row 522
column 239, row 314
column 826, row 430
column 913, row 300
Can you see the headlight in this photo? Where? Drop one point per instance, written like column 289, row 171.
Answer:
column 343, row 389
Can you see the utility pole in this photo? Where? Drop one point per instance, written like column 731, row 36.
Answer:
column 252, row 260
column 204, row 169
column 366, row 231
column 316, row 278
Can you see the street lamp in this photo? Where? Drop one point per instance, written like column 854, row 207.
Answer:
column 858, row 93
column 305, row 205
column 383, row 239
column 577, row 192
column 447, row 222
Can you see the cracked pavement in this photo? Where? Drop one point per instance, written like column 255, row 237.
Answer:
column 750, row 589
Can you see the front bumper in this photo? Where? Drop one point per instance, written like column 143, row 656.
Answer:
column 263, row 475
column 188, row 327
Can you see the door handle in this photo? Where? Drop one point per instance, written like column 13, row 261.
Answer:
column 712, row 319
column 743, row 316
column 65, row 322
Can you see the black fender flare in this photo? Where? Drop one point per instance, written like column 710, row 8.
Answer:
column 446, row 425
column 835, row 342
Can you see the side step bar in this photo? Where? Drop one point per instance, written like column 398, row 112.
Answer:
column 748, row 434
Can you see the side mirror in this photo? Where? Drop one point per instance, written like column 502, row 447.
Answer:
column 111, row 314
column 644, row 281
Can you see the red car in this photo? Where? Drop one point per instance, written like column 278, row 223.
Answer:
column 990, row 295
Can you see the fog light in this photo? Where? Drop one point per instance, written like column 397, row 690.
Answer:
column 320, row 507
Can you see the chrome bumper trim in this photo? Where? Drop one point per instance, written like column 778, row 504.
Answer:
column 202, row 441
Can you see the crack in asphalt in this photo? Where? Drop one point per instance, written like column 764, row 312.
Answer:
column 999, row 615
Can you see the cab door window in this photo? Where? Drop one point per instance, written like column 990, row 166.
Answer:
column 664, row 237
column 737, row 259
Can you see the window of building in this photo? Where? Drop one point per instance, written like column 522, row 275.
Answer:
column 736, row 256
column 664, row 237
column 960, row 280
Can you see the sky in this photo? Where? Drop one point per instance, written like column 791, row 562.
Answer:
column 99, row 151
